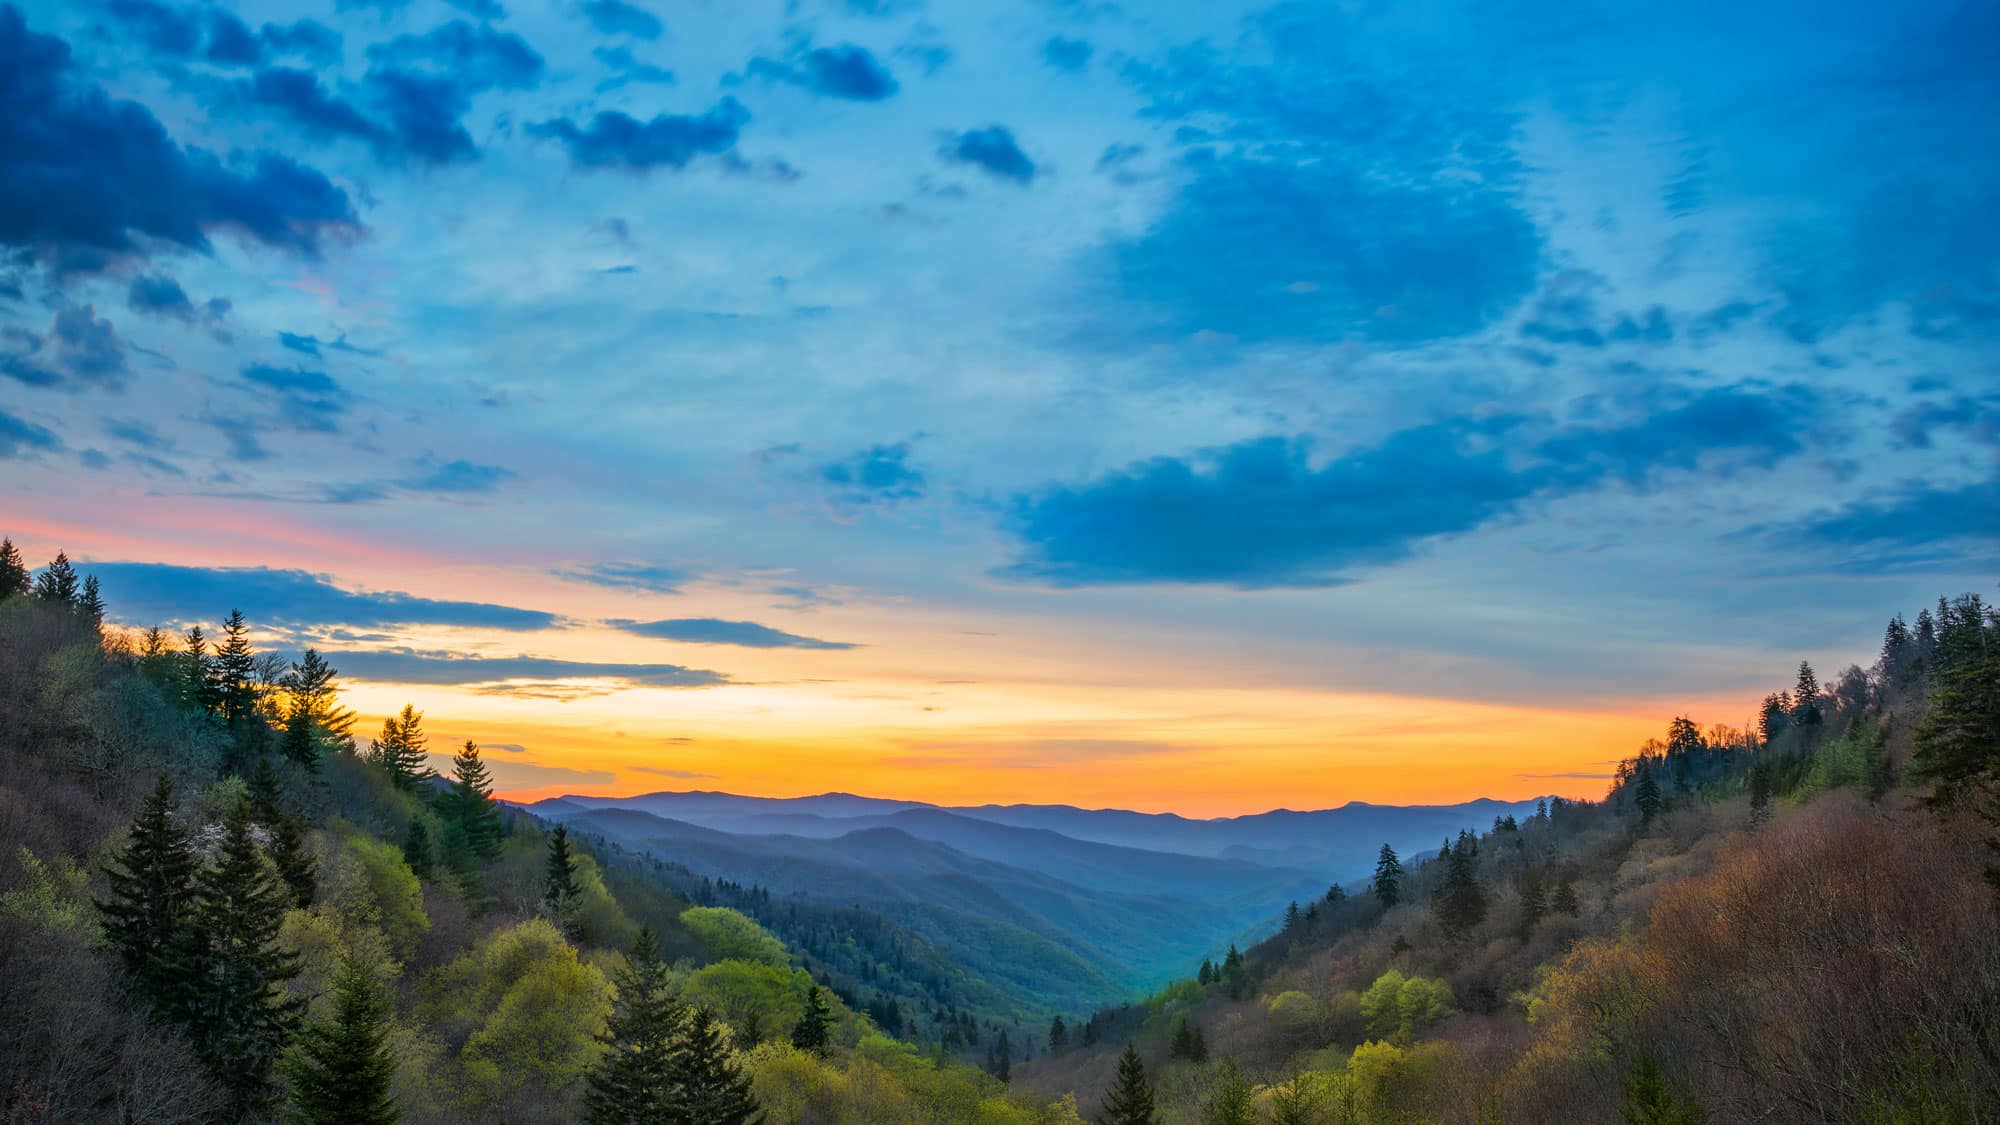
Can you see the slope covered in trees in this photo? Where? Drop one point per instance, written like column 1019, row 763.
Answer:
column 217, row 905
column 1795, row 922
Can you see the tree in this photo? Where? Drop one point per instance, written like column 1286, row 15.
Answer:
column 1534, row 901
column 341, row 1069
column 634, row 1080
column 1461, row 903
column 15, row 580
column 560, row 894
column 811, row 1033
column 1234, row 976
column 57, row 583
column 1130, row 1100
column 400, row 750
column 417, row 849
column 297, row 742
column 1388, row 877
column 1058, row 1034
column 197, row 678
column 1650, row 1101
column 235, row 1010
column 1187, row 1041
column 713, row 1091
column 1760, row 792
column 152, row 883
column 470, row 802
column 90, row 605
column 1898, row 651
column 1229, row 1101
column 1806, row 712
column 1563, row 901
column 1334, row 894
column 1206, row 974
column 311, row 692
column 294, row 863
column 1647, row 796
column 235, row 666
column 1292, row 918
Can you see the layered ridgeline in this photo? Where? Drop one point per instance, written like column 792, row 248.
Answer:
column 1798, row 922
column 1058, row 909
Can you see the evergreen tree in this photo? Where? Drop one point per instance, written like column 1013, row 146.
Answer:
column 1235, row 978
column 1760, row 792
column 1058, row 1035
column 712, row 1090
column 1130, row 1100
column 1187, row 1042
column 235, row 667
column 1563, row 901
column 287, row 848
column 400, row 750
column 1648, row 796
column 417, row 849
column 197, row 678
column 1461, row 904
column 1534, row 901
column 635, row 1079
column 311, row 691
column 1388, row 877
column 57, row 583
column 1806, row 712
column 1292, row 918
column 1335, row 894
column 1229, row 1100
column 560, row 894
column 90, row 605
column 1001, row 1062
column 470, row 802
column 1898, row 651
column 298, row 743
column 1206, row 975
column 15, row 580
column 812, row 1032
column 236, row 1013
column 152, row 884
column 1650, row 1101
column 341, row 1069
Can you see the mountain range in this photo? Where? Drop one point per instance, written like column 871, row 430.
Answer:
column 1061, row 908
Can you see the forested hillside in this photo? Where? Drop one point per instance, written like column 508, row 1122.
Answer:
column 1791, row 923
column 218, row 903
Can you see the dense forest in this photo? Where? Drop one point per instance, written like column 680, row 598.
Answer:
column 221, row 903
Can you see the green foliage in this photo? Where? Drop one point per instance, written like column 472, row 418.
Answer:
column 53, row 899
column 711, row 1088
column 469, row 804
column 1130, row 1099
column 1398, row 1006
column 400, row 749
column 728, row 936
column 634, row 1080
column 15, row 579
column 1388, row 882
column 152, row 885
column 1228, row 1101
column 367, row 880
column 531, row 1014
column 811, row 1032
column 340, row 1070
column 561, row 900
column 417, row 851
column 1649, row 1100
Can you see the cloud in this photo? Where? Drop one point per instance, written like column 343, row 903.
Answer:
column 309, row 400
column 143, row 593
column 628, row 68
column 79, row 347
column 1919, row 514
column 844, row 71
column 669, row 771
column 90, row 182
column 133, row 432
column 714, row 631
column 1747, row 425
column 527, row 775
column 878, row 474
column 992, row 149
column 22, row 438
column 654, row 578
column 457, row 477
column 617, row 140
column 475, row 57
column 1070, row 55
column 163, row 296
column 616, row 17
column 220, row 37
column 304, row 345
column 504, row 747
column 411, row 666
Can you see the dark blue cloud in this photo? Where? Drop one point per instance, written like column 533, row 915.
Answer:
column 992, row 149
column 304, row 345
column 407, row 666
column 89, row 182
column 1723, row 428
column 714, row 631
column 1918, row 425
column 220, row 37
column 132, row 431
column 877, row 474
column 628, row 68
column 307, row 39
column 458, row 476
column 618, row 140
column 163, row 296
column 1919, row 515
column 477, row 58
column 143, row 593
column 20, row 438
column 308, row 399
column 654, row 578
column 616, row 17
column 159, row 28
column 1071, row 55
column 845, row 71
column 79, row 348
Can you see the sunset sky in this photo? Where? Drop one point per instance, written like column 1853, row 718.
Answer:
column 1173, row 406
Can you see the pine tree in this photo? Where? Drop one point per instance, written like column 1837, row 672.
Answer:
column 294, row 863
column 1388, row 878
column 1461, row 903
column 1958, row 741
column 1564, row 900
column 1235, row 977
column 15, row 580
column 1229, row 1100
column 1647, row 796
column 1534, row 901
column 90, row 606
column 400, row 750
column 1130, row 1100
column 811, row 1034
column 1058, row 1035
column 1335, row 894
column 236, row 1013
column 1002, row 1062
column 417, row 849
column 712, row 1090
column 560, row 894
column 197, row 678
column 57, row 583
column 1650, row 1101
column 152, row 884
column 234, row 668
column 1292, row 918
column 311, row 691
column 1898, row 649
column 635, row 1079
column 1805, row 700
column 341, row 1069
column 470, row 802
column 461, row 863
column 1206, row 975
column 1187, row 1042
column 297, row 743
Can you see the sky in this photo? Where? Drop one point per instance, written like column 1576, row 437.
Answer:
column 1199, row 407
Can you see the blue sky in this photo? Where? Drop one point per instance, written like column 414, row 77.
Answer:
column 1475, row 352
